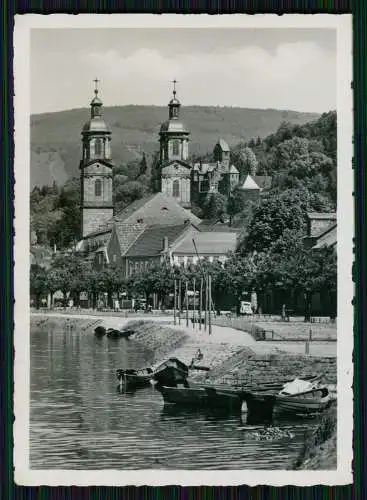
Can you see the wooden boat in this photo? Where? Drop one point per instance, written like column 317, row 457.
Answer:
column 202, row 397
column 115, row 333
column 100, row 331
column 135, row 378
column 312, row 401
column 171, row 372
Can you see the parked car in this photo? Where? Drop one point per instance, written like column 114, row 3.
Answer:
column 245, row 308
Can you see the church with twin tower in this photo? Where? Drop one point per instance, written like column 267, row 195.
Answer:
column 179, row 179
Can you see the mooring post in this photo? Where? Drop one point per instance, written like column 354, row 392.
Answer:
column 210, row 304
column 187, row 303
column 174, row 302
column 310, row 334
column 307, row 350
column 179, row 301
column 206, row 303
column 194, row 306
column 200, row 302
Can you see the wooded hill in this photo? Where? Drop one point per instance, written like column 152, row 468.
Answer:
column 300, row 159
column 56, row 145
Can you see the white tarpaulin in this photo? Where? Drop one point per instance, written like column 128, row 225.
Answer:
column 297, row 386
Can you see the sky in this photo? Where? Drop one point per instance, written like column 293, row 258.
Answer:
column 281, row 68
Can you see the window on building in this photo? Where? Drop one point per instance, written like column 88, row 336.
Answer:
column 175, row 148
column 114, row 257
column 176, row 189
column 98, row 147
column 98, row 187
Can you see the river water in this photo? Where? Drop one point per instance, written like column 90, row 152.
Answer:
column 79, row 419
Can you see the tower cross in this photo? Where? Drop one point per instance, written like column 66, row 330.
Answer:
column 96, row 82
column 174, row 86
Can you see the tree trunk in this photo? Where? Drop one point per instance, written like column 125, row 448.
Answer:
column 64, row 299
column 38, row 296
column 77, row 298
column 308, row 298
column 109, row 299
column 94, row 300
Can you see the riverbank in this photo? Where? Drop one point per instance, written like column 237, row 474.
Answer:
column 319, row 449
column 232, row 356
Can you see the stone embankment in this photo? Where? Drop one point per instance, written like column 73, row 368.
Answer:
column 233, row 357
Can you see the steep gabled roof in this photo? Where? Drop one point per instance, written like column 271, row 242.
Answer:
column 233, row 170
column 156, row 209
column 250, row 183
column 207, row 243
column 127, row 234
column 223, row 145
column 126, row 212
column 150, row 242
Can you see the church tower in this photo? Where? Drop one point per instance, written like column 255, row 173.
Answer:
column 96, row 170
column 174, row 153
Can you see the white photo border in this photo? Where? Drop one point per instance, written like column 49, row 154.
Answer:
column 345, row 220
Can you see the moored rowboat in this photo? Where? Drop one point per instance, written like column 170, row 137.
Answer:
column 202, row 397
column 134, row 378
column 311, row 401
column 171, row 372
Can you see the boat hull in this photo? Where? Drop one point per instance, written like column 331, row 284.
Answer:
column 133, row 379
column 119, row 334
column 171, row 373
column 201, row 397
column 310, row 402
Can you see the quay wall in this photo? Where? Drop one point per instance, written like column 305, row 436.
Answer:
column 253, row 364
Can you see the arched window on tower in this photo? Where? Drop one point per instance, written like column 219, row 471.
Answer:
column 98, row 187
column 98, row 147
column 175, row 148
column 176, row 189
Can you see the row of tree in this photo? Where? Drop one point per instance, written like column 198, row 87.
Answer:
column 286, row 269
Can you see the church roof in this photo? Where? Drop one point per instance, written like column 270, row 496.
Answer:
column 250, row 183
column 150, row 242
column 207, row 243
column 223, row 145
column 127, row 234
column 154, row 209
column 174, row 126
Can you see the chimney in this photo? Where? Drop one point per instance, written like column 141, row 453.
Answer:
column 165, row 244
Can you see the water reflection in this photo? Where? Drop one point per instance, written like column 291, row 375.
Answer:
column 81, row 420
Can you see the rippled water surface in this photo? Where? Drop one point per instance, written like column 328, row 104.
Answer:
column 79, row 420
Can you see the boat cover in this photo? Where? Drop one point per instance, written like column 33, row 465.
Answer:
column 297, row 386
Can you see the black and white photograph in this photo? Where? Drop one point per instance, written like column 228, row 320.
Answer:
column 183, row 250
